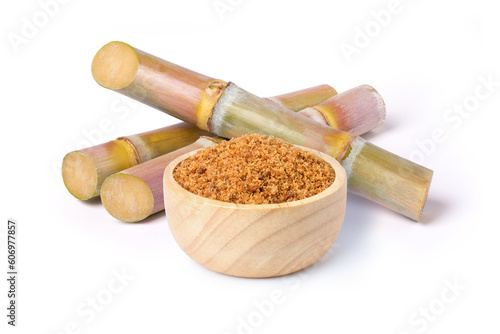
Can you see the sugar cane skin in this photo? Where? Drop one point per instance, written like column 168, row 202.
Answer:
column 213, row 104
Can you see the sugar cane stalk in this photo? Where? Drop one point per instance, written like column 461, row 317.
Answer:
column 229, row 111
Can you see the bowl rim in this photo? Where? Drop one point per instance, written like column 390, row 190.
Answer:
column 337, row 185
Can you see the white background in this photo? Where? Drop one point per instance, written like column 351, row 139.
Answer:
column 384, row 270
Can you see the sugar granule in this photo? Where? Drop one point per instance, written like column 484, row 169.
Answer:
column 254, row 169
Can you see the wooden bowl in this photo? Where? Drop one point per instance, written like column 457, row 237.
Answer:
column 248, row 240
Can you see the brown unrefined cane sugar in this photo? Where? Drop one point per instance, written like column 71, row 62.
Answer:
column 254, row 169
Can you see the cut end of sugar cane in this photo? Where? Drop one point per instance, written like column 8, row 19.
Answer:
column 127, row 197
column 80, row 175
column 115, row 65
column 85, row 170
column 357, row 110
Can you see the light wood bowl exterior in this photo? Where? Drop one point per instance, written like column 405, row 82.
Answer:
column 255, row 240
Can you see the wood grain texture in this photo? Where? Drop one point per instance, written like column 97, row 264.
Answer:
column 255, row 240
